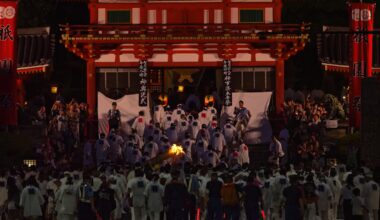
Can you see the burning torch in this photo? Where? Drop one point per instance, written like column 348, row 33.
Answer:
column 175, row 152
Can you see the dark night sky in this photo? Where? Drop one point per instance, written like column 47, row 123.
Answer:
column 302, row 70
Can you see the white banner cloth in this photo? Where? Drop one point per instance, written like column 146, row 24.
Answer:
column 259, row 129
column 128, row 106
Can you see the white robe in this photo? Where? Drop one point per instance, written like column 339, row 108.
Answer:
column 244, row 154
column 218, row 143
column 230, row 133
column 154, row 197
column 139, row 125
column 31, row 202
column 67, row 200
column 158, row 114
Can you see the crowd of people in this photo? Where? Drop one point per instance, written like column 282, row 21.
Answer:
column 127, row 173
column 64, row 127
column 304, row 131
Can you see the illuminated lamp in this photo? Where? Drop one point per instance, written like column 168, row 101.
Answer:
column 30, row 163
column 54, row 89
column 209, row 99
column 164, row 99
column 181, row 89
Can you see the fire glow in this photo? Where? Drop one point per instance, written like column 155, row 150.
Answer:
column 176, row 150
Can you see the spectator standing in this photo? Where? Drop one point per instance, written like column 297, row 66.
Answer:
column 214, row 205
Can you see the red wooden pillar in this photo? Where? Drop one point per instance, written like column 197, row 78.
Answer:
column 280, row 85
column 277, row 12
column 91, row 88
column 20, row 92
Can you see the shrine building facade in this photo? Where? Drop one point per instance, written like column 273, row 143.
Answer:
column 184, row 43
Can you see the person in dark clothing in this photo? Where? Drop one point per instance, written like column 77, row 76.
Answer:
column 347, row 196
column 293, row 200
column 175, row 198
column 252, row 198
column 230, row 199
column 86, row 208
column 105, row 200
column 114, row 117
column 214, row 205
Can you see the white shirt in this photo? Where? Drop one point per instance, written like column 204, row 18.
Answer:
column 276, row 148
column 139, row 125
column 371, row 195
column 137, row 186
column 324, row 196
column 154, row 192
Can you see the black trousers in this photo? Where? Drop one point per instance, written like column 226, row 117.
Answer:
column 347, row 209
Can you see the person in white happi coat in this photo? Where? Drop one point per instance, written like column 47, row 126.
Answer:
column 213, row 125
column 116, row 145
column 102, row 147
column 136, row 189
column 183, row 127
column 149, row 129
column 325, row 197
column 164, row 145
column 136, row 155
column 212, row 112
column 128, row 152
column 157, row 133
column 177, row 113
column 151, row 147
column 371, row 195
column 172, row 134
column 359, row 181
column 244, row 153
column 267, row 193
column 336, row 188
column 158, row 114
column 188, row 145
column 139, row 124
column 276, row 151
column 67, row 200
column 194, row 129
column 210, row 157
column 229, row 132
column 167, row 121
column 190, row 118
column 200, row 148
column 135, row 138
column 204, row 117
column 118, row 196
column 279, row 184
column 31, row 200
column 218, row 142
column 154, row 192
column 204, row 133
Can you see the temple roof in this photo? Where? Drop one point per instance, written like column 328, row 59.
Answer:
column 35, row 50
column 334, row 49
